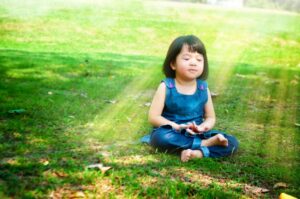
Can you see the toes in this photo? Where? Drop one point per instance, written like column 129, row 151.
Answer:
column 221, row 137
column 226, row 142
column 222, row 140
column 185, row 155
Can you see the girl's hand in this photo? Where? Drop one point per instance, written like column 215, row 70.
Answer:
column 194, row 129
column 183, row 126
column 202, row 128
column 179, row 127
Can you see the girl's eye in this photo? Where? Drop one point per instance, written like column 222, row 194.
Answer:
column 199, row 60
column 186, row 59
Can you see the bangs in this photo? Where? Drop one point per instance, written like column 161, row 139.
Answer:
column 195, row 47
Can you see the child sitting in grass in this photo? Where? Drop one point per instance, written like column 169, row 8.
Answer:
column 182, row 111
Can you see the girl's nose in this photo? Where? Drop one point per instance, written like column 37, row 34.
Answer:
column 193, row 62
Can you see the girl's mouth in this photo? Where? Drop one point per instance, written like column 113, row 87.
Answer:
column 193, row 70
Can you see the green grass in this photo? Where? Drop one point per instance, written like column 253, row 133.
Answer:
column 85, row 71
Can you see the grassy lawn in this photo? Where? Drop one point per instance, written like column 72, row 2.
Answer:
column 76, row 79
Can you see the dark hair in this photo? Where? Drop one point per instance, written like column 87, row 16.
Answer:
column 194, row 44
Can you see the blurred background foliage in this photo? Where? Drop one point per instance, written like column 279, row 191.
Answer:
column 289, row 5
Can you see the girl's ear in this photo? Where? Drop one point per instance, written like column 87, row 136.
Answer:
column 172, row 65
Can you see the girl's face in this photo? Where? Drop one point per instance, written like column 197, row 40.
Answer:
column 188, row 65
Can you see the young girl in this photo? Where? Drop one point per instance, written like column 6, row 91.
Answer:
column 182, row 111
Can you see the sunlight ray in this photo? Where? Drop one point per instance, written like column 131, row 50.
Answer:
column 279, row 128
column 226, row 57
column 126, row 114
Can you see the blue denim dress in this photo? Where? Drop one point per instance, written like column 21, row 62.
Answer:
column 181, row 109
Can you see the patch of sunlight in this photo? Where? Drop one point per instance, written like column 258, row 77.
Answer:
column 148, row 181
column 227, row 58
column 136, row 159
column 198, row 178
column 13, row 161
column 34, row 74
column 101, row 188
column 36, row 141
column 126, row 114
column 104, row 188
column 204, row 180
column 276, row 146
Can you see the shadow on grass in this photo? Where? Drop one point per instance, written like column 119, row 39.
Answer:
column 59, row 93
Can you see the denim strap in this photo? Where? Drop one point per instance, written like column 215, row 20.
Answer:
column 202, row 85
column 170, row 82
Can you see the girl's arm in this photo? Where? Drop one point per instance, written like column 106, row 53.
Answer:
column 157, row 107
column 209, row 116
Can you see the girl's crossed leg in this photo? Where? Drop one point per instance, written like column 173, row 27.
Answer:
column 217, row 140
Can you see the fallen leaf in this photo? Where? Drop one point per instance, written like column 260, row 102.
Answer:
column 111, row 101
column 50, row 93
column 105, row 154
column 255, row 190
column 213, row 94
column 294, row 82
column 261, row 73
column 280, row 185
column 49, row 173
column 44, row 161
column 263, row 190
column 128, row 119
column 11, row 161
column 83, row 95
column 60, row 174
column 147, row 104
column 272, row 82
column 78, row 194
column 52, row 173
column 51, row 195
column 102, row 168
column 240, row 75
column 17, row 135
column 17, row 111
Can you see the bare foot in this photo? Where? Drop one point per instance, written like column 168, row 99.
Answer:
column 196, row 154
column 222, row 140
column 217, row 140
column 188, row 154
